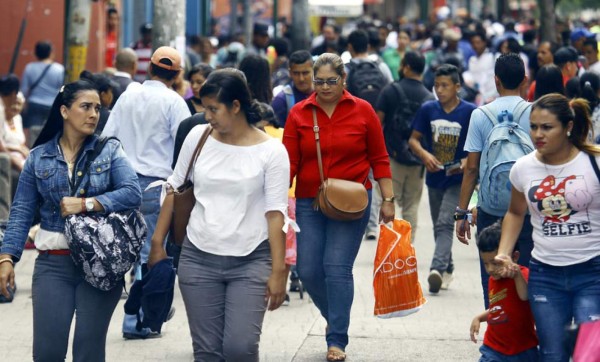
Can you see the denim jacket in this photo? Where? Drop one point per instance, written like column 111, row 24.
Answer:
column 44, row 182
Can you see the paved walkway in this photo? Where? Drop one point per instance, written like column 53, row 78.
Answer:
column 439, row 332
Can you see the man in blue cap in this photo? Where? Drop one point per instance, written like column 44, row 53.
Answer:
column 578, row 36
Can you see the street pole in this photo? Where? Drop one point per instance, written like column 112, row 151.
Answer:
column 300, row 30
column 247, row 22
column 168, row 27
column 233, row 18
column 547, row 21
column 275, row 17
column 77, row 32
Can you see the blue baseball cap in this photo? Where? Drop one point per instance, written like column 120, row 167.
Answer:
column 579, row 33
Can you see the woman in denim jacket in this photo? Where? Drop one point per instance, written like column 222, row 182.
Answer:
column 46, row 184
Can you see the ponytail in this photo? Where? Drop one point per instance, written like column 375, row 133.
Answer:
column 582, row 126
column 590, row 85
column 576, row 110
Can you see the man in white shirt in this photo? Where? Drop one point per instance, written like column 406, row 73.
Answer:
column 146, row 120
column 481, row 69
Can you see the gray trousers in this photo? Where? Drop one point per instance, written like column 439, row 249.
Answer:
column 224, row 298
column 58, row 292
column 408, row 188
column 5, row 185
column 442, row 204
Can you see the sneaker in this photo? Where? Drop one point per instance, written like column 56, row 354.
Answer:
column 286, row 301
column 435, row 281
column 371, row 235
column 447, row 278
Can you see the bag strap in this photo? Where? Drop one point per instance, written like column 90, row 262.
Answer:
column 520, row 108
column 37, row 81
column 318, row 141
column 488, row 112
column 290, row 100
column 201, row 143
column 86, row 168
column 595, row 166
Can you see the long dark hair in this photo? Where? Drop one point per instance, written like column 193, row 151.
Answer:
column 590, row 84
column 258, row 75
column 548, row 80
column 228, row 85
column 66, row 97
column 576, row 110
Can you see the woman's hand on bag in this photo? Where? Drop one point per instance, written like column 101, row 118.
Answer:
column 387, row 212
column 70, row 206
column 276, row 289
column 7, row 277
column 156, row 254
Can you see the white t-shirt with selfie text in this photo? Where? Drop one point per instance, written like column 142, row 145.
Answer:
column 564, row 202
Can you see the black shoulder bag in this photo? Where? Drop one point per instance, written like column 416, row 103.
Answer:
column 104, row 246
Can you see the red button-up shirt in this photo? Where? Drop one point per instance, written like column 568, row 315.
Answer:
column 351, row 143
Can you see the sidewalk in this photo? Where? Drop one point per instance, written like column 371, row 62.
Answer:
column 439, row 332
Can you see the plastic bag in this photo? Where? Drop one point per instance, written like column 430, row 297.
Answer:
column 290, row 236
column 395, row 279
column 587, row 348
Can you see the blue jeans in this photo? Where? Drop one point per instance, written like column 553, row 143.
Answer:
column 490, row 355
column 559, row 294
column 326, row 253
column 60, row 293
column 525, row 247
column 150, row 209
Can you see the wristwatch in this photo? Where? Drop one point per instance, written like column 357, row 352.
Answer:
column 389, row 199
column 89, row 204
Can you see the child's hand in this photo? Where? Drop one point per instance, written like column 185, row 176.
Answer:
column 475, row 329
column 509, row 269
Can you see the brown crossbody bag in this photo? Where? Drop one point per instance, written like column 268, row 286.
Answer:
column 338, row 199
column 183, row 198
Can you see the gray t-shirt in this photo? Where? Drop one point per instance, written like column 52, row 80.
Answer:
column 47, row 89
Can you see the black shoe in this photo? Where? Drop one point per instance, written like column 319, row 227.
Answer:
column 171, row 314
column 141, row 336
column 295, row 285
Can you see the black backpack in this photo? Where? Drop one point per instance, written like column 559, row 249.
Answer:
column 397, row 131
column 365, row 80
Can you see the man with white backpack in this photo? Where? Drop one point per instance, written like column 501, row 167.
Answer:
column 498, row 135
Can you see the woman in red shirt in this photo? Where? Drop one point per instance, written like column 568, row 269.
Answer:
column 351, row 144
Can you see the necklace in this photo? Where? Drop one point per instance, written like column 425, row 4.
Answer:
column 70, row 161
column 569, row 158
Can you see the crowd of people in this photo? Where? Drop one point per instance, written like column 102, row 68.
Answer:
column 461, row 106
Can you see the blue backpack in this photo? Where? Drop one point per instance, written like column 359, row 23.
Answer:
column 506, row 143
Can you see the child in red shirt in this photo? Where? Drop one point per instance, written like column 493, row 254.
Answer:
column 510, row 335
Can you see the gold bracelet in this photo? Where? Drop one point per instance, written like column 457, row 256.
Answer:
column 8, row 260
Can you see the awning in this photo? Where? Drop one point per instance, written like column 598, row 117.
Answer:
column 336, row 8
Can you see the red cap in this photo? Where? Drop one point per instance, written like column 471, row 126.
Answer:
column 167, row 53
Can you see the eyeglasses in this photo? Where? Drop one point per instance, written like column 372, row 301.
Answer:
column 331, row 82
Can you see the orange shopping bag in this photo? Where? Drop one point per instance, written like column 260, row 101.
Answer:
column 395, row 280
